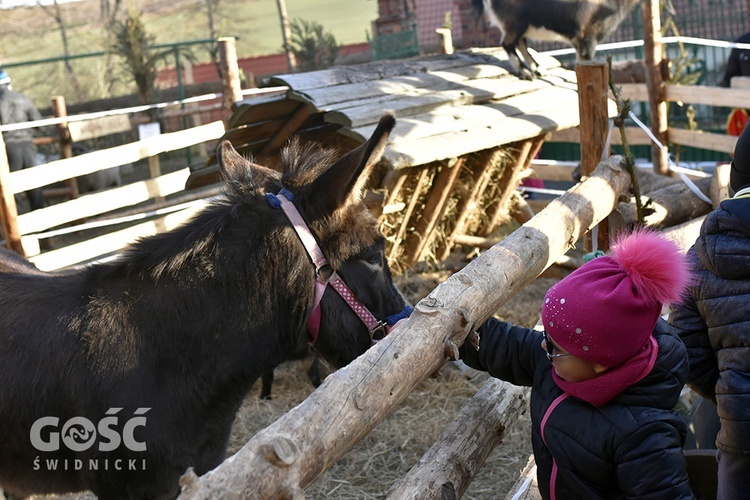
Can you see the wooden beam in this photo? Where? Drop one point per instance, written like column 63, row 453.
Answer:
column 8, row 208
column 593, row 82
column 290, row 126
column 88, row 163
column 479, row 181
column 105, row 201
column 478, row 428
column 634, row 135
column 680, row 136
column 230, row 73
column 66, row 144
column 434, row 207
column 593, row 87
column 393, row 182
column 508, row 183
column 703, row 140
column 103, row 245
column 406, row 221
column 652, row 49
column 98, row 127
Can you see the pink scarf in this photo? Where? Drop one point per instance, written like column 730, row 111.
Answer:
column 600, row 390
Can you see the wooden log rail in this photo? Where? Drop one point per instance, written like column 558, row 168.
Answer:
column 286, row 457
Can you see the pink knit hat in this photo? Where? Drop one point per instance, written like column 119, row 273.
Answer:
column 605, row 311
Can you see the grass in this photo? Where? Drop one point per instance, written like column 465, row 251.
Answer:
column 29, row 34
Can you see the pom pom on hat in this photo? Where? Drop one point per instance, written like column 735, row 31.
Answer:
column 605, row 311
column 4, row 77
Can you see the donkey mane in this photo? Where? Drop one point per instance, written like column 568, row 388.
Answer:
column 168, row 253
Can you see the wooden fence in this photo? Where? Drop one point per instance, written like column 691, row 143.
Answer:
column 738, row 96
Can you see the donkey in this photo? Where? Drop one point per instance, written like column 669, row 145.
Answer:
column 582, row 23
column 119, row 377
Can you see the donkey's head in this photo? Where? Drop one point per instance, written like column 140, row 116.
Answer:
column 328, row 194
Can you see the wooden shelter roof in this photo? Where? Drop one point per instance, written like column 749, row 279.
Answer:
column 446, row 106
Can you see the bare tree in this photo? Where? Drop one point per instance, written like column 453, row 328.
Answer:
column 108, row 13
column 55, row 12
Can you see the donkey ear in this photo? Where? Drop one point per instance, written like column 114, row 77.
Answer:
column 345, row 180
column 243, row 176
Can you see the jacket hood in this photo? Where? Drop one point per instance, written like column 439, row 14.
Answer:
column 662, row 386
column 722, row 245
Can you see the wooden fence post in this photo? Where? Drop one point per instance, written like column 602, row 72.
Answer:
column 446, row 40
column 66, row 145
column 657, row 103
column 593, row 89
column 8, row 209
column 230, row 73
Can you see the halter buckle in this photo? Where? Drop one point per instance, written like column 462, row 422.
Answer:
column 379, row 332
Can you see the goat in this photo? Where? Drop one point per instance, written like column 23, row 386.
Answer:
column 582, row 23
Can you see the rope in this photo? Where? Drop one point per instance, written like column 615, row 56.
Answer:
column 679, row 171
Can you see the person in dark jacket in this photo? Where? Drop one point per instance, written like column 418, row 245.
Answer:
column 738, row 63
column 715, row 323
column 605, row 375
column 19, row 144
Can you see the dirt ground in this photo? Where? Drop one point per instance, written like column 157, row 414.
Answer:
column 397, row 443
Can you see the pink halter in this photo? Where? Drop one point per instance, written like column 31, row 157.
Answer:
column 327, row 276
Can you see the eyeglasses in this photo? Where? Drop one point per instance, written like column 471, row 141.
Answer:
column 550, row 349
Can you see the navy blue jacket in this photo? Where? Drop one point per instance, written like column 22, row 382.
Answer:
column 629, row 448
column 714, row 322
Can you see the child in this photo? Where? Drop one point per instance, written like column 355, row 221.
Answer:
column 605, row 375
column 715, row 323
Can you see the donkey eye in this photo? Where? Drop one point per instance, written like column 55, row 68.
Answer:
column 373, row 260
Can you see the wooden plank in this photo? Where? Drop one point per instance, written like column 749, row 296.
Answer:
column 517, row 100
column 98, row 127
column 108, row 243
column 709, row 96
column 330, row 97
column 8, row 208
column 105, row 201
column 634, row 135
column 88, row 163
column 489, row 132
column 342, row 75
column 691, row 94
column 355, row 114
column 703, row 140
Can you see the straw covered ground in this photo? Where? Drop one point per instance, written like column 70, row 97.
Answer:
column 397, row 443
